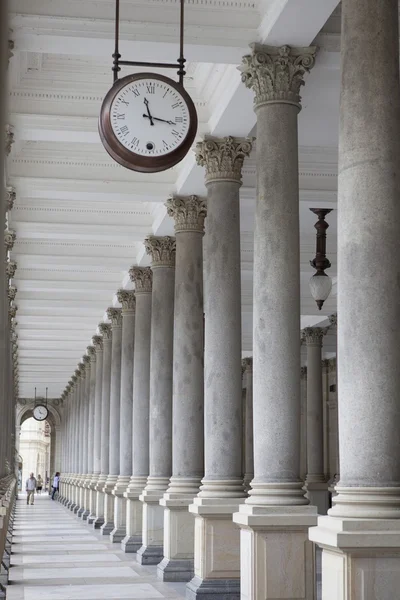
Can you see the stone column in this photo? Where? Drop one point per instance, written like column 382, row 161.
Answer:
column 115, row 316
column 91, row 503
column 162, row 252
column 142, row 277
column 303, row 423
column 85, row 476
column 188, row 390
column 333, row 430
column 127, row 300
column 216, row 569
column 316, row 484
column 80, row 430
column 105, row 330
column 97, row 511
column 276, row 516
column 71, row 504
column 361, row 535
column 247, row 363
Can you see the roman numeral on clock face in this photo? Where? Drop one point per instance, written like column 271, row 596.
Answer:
column 150, row 88
column 124, row 130
column 121, row 116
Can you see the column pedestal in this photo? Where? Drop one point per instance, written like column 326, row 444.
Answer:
column 178, row 562
column 108, row 524
column 217, row 550
column 92, row 500
column 119, row 531
column 86, row 498
column 277, row 560
column 100, row 499
column 133, row 540
column 152, row 550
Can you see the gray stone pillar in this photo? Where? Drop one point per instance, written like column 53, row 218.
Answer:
column 115, row 316
column 97, row 511
column 366, row 511
column 105, row 330
column 127, row 300
column 276, row 75
column 316, row 484
column 142, row 277
column 247, row 363
column 91, row 497
column 222, row 486
column 80, row 430
column 74, row 421
column 84, row 480
column 188, row 390
column 162, row 252
column 303, row 423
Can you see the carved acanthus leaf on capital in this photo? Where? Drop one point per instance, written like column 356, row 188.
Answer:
column 142, row 277
column 188, row 212
column 247, row 364
column 127, row 299
column 314, row 335
column 105, row 331
column 11, row 196
column 11, row 293
column 276, row 74
column 11, row 268
column 86, row 360
column 12, row 311
column 162, row 250
column 9, row 139
column 9, row 239
column 91, row 351
column 97, row 342
column 333, row 320
column 223, row 158
column 115, row 316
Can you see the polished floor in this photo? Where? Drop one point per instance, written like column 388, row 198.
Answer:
column 55, row 556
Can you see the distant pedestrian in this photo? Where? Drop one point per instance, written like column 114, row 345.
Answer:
column 39, row 484
column 56, row 483
column 30, row 489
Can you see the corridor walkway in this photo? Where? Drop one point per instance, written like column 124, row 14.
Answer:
column 55, row 556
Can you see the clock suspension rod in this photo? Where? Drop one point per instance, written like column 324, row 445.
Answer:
column 132, row 63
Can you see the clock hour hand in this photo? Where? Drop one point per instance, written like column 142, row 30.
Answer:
column 148, row 112
column 157, row 119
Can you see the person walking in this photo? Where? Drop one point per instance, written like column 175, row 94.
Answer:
column 56, row 483
column 30, row 489
column 39, row 484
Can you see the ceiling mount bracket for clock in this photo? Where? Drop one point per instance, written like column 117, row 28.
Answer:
column 179, row 65
column 39, row 401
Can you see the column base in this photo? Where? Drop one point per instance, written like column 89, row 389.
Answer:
column 131, row 543
column 178, row 562
column 150, row 555
column 360, row 557
column 318, row 495
column 90, row 519
column 277, row 560
column 117, row 535
column 85, row 515
column 107, row 528
column 175, row 569
column 80, row 512
column 98, row 522
column 216, row 549
column 133, row 540
column 204, row 589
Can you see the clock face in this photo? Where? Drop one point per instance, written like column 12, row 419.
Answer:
column 148, row 122
column 40, row 412
column 150, row 117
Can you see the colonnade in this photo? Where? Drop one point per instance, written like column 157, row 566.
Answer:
column 226, row 530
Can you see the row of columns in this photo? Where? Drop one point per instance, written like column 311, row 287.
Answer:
column 274, row 518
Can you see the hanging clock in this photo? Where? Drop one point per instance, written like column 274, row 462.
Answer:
column 40, row 412
column 148, row 122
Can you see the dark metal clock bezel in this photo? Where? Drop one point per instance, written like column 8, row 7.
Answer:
column 33, row 413
column 129, row 159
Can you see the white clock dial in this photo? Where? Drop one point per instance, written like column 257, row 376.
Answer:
column 150, row 117
column 40, row 412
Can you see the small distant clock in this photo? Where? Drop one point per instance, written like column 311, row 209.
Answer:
column 40, row 412
column 147, row 122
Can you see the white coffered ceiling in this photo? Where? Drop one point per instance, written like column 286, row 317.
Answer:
column 80, row 218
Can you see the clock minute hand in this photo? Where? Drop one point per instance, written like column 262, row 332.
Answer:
column 157, row 119
column 148, row 111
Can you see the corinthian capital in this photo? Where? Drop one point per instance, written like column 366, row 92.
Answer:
column 142, row 277
column 12, row 311
column 11, row 293
column 247, row 364
column 127, row 299
column 188, row 212
column 276, row 74
column 105, row 330
column 91, row 351
column 11, row 267
column 161, row 249
column 9, row 238
column 223, row 158
column 9, row 139
column 97, row 342
column 115, row 316
column 10, row 197
column 314, row 335
column 333, row 320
